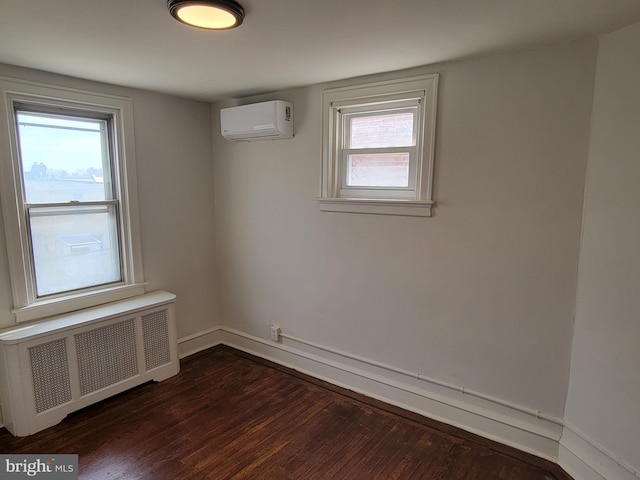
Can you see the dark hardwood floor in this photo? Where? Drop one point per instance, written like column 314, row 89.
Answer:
column 229, row 415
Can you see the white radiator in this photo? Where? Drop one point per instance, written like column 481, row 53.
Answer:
column 54, row 367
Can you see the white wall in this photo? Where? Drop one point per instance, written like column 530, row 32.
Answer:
column 482, row 295
column 175, row 178
column 603, row 407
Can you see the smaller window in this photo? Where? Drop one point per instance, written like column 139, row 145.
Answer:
column 379, row 150
column 378, row 147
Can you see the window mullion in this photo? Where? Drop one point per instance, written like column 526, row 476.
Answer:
column 70, row 205
column 374, row 150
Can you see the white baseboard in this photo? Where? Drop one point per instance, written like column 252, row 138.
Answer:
column 491, row 420
column 197, row 342
column 583, row 459
column 580, row 456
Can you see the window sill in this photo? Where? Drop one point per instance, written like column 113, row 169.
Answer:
column 70, row 303
column 405, row 208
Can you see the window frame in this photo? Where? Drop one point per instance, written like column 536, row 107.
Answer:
column 417, row 199
column 26, row 304
column 344, row 151
column 110, row 204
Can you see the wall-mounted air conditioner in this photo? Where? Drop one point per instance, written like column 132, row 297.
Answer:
column 258, row 121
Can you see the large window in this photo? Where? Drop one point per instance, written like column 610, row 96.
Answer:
column 72, row 211
column 379, row 147
column 69, row 199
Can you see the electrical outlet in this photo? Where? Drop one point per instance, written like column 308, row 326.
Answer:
column 275, row 333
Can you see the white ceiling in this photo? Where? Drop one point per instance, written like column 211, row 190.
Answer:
column 283, row 43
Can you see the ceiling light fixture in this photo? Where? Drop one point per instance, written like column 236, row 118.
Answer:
column 210, row 15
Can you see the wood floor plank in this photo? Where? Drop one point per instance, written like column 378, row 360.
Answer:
column 229, row 415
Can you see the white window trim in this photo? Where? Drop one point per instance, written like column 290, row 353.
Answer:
column 330, row 184
column 26, row 306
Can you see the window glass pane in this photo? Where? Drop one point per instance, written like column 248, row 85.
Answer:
column 74, row 247
column 384, row 130
column 378, row 170
column 63, row 159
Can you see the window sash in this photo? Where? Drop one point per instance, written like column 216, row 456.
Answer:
column 74, row 254
column 105, row 132
column 346, row 120
column 343, row 152
column 57, row 267
column 356, row 190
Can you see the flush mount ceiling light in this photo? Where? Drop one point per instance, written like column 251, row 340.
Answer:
column 211, row 15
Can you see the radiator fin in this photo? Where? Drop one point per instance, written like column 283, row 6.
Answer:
column 106, row 355
column 50, row 374
column 155, row 332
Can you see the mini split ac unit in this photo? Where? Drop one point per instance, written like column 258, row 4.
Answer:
column 259, row 121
